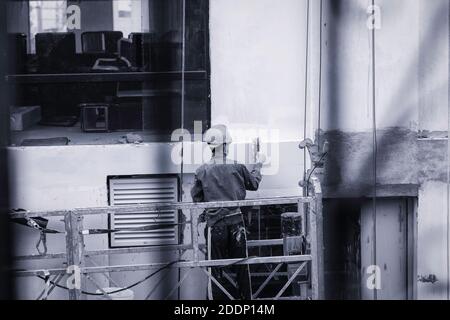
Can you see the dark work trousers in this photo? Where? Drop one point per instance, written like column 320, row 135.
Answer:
column 228, row 241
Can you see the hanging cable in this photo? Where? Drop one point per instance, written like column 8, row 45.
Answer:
column 306, row 89
column 183, row 88
column 448, row 181
column 375, row 149
column 47, row 281
column 119, row 290
column 319, row 124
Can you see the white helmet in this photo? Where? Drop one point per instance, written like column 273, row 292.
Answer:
column 217, row 135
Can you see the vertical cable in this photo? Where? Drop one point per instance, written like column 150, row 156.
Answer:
column 375, row 149
column 448, row 174
column 306, row 88
column 183, row 67
column 320, row 75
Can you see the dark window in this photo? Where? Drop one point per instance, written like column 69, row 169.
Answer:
column 131, row 67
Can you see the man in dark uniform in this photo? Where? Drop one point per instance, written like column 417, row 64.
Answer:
column 222, row 179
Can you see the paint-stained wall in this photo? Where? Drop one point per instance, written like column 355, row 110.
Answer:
column 411, row 95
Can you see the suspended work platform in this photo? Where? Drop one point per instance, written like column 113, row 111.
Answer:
column 309, row 262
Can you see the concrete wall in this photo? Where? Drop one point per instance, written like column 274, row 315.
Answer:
column 411, row 53
column 258, row 64
column 433, row 197
column 347, row 85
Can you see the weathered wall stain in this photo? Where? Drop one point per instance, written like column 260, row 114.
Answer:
column 404, row 162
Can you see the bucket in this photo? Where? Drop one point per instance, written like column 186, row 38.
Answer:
column 122, row 295
column 291, row 224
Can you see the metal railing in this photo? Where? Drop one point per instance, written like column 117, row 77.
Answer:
column 310, row 207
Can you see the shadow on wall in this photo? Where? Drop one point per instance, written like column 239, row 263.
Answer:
column 334, row 53
column 6, row 291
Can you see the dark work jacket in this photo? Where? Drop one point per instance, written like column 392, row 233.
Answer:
column 224, row 180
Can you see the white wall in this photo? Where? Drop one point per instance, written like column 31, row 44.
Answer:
column 433, row 65
column 347, row 65
column 432, row 240
column 258, row 65
column 411, row 50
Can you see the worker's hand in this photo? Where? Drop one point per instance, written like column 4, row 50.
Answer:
column 261, row 158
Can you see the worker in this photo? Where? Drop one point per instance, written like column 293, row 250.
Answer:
column 222, row 179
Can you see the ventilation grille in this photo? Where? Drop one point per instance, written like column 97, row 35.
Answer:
column 129, row 191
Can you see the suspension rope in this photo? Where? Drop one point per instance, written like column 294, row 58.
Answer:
column 183, row 88
column 375, row 148
column 319, row 124
column 448, row 182
column 306, row 88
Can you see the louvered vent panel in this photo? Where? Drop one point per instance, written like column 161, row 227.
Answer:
column 129, row 191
